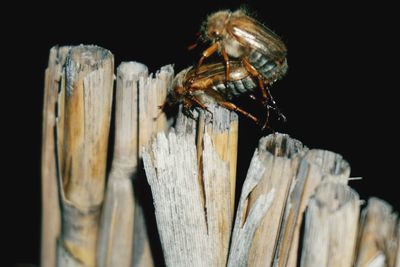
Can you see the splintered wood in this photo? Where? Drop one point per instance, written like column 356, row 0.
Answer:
column 284, row 178
column 191, row 171
column 51, row 217
column 379, row 236
column 123, row 237
column 331, row 226
column 84, row 111
column 192, row 194
column 76, row 122
column 115, row 244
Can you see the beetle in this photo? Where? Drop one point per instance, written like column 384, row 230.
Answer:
column 197, row 87
column 236, row 35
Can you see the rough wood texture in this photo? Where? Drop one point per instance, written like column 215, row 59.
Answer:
column 225, row 140
column 194, row 224
column 51, row 218
column 192, row 175
column 281, row 156
column 151, row 95
column 248, row 218
column 82, row 134
column 317, row 166
column 331, row 225
column 378, row 235
column 115, row 246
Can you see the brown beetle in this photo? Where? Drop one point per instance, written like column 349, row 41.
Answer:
column 196, row 87
column 237, row 35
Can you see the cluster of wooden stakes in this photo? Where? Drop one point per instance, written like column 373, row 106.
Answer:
column 93, row 216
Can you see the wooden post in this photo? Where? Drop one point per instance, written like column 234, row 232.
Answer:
column 135, row 88
column 378, row 235
column 191, row 170
column 316, row 166
column 281, row 156
column 193, row 214
column 51, row 218
column 115, row 246
column 151, row 95
column 82, row 138
column 331, row 226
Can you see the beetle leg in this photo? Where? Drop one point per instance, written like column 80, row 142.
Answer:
column 233, row 107
column 266, row 94
column 191, row 100
column 275, row 107
column 250, row 68
column 227, row 65
column 186, row 108
column 228, row 105
column 200, row 104
column 207, row 53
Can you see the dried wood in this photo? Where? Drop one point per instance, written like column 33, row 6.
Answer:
column 192, row 175
column 115, row 246
column 152, row 91
column 193, row 215
column 82, row 138
column 378, row 239
column 331, row 225
column 225, row 142
column 316, row 166
column 51, row 218
column 281, row 156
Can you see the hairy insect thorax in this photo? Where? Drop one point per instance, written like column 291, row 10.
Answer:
column 233, row 47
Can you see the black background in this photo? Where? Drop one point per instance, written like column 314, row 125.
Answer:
column 339, row 93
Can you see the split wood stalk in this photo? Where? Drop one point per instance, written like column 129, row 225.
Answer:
column 316, row 166
column 192, row 194
column 152, row 91
column 134, row 86
column 280, row 156
column 115, row 244
column 191, row 170
column 51, row 216
column 378, row 239
column 84, row 111
column 331, row 226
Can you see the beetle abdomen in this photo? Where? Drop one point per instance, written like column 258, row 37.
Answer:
column 236, row 88
column 270, row 70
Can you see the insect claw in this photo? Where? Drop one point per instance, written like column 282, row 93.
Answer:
column 212, row 115
column 190, row 115
column 282, row 117
column 192, row 46
column 266, row 126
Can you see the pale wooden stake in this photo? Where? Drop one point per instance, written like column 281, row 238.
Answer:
column 317, row 166
column 281, row 156
column 378, row 238
column 82, row 134
column 115, row 246
column 219, row 151
column 151, row 95
column 50, row 199
column 194, row 224
column 247, row 222
column 225, row 141
column 331, row 225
